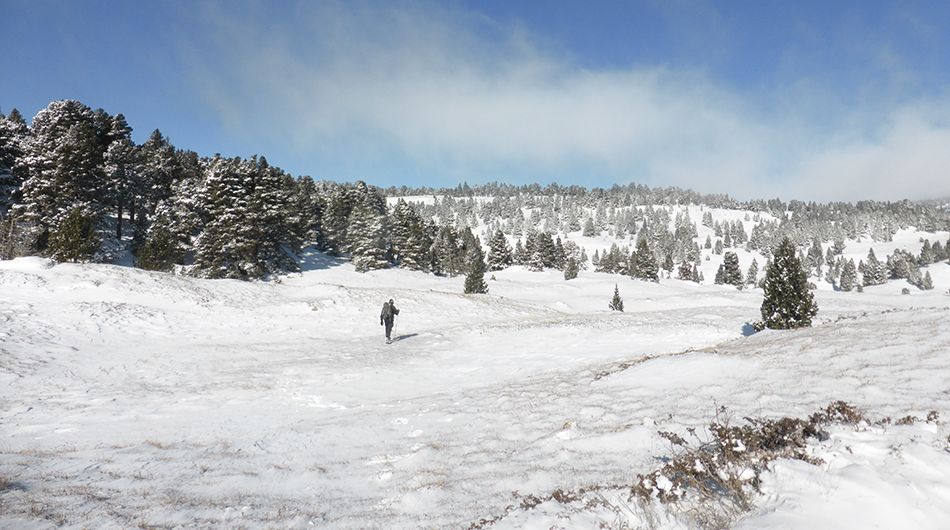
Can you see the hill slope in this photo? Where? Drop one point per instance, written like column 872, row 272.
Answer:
column 134, row 398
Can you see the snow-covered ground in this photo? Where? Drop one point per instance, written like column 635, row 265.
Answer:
column 130, row 398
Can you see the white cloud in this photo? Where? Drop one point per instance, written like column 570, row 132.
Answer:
column 454, row 95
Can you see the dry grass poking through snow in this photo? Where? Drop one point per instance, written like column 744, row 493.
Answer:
column 711, row 479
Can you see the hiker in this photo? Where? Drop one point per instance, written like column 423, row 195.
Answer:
column 387, row 317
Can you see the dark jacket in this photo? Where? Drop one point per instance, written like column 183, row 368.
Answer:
column 388, row 313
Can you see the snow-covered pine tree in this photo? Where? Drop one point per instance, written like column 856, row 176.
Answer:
column 731, row 273
column 447, row 255
column 159, row 170
column 520, row 255
column 685, row 271
column 830, row 256
column 838, row 247
column 335, row 219
column 833, row 271
column 400, row 229
column 848, row 276
column 475, row 279
column 644, row 266
column 875, row 272
column 250, row 229
column 62, row 165
column 708, row 243
column 926, row 254
column 122, row 177
column 788, row 302
column 717, row 250
column 271, row 208
column 571, row 268
column 308, row 208
column 927, row 283
column 536, row 261
column 499, row 252
column 752, row 275
column 13, row 139
column 221, row 248
column 365, row 235
column 616, row 303
column 409, row 239
column 814, row 259
column 668, row 264
column 559, row 255
column 899, row 265
column 938, row 252
column 589, row 229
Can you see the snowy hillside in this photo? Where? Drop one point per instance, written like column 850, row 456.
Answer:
column 130, row 398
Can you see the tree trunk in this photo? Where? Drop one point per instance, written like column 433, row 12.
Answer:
column 118, row 228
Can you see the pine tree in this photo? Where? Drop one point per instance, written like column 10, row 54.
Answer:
column 753, row 274
column 475, row 280
column 13, row 136
column 520, row 255
column 365, row 234
column 249, row 231
column 335, row 219
column 717, row 250
column 875, row 272
column 499, row 252
column 62, row 165
column 13, row 139
column 536, row 261
column 685, row 271
column 668, row 264
column 121, row 171
column 927, row 283
column 848, row 276
column 814, row 259
column 644, row 266
column 616, row 303
column 589, row 229
column 74, row 239
column 788, row 303
column 939, row 253
column 926, row 254
column 159, row 170
column 409, row 240
column 571, row 268
column 221, row 249
column 559, row 255
column 160, row 252
column 731, row 273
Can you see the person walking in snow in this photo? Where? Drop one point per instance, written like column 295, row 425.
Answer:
column 388, row 317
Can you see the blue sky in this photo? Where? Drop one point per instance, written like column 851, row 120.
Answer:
column 815, row 100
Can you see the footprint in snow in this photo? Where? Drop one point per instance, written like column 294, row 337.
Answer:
column 400, row 421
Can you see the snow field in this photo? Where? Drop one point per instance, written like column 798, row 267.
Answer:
column 133, row 398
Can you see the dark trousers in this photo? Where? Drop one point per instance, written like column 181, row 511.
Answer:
column 389, row 327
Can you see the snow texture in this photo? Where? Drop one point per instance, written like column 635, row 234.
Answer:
column 131, row 398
